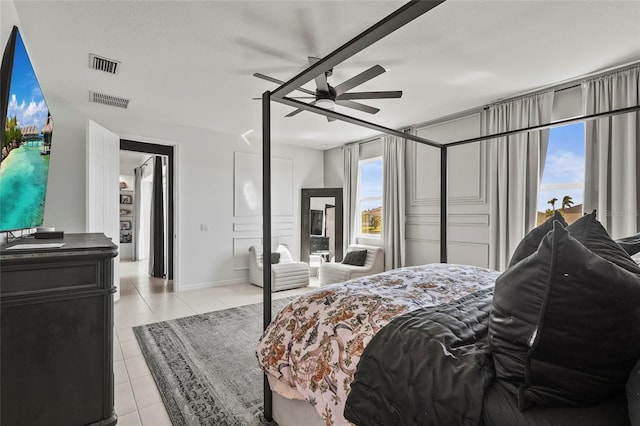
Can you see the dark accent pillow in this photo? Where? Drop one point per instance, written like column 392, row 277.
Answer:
column 355, row 257
column 593, row 236
column 531, row 241
column 275, row 258
column 563, row 328
column 630, row 244
column 633, row 394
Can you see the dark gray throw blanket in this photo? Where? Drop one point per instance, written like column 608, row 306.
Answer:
column 426, row 367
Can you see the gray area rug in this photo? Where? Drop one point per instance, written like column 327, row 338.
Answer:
column 205, row 365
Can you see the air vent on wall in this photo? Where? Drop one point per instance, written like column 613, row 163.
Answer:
column 101, row 98
column 103, row 64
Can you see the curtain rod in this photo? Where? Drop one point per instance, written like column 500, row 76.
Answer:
column 570, row 83
column 595, row 116
column 556, row 87
column 373, row 138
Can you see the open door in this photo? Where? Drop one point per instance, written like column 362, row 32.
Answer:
column 103, row 176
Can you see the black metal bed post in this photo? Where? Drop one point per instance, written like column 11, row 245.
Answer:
column 443, row 204
column 266, row 234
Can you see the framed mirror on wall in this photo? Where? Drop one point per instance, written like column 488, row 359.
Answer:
column 321, row 223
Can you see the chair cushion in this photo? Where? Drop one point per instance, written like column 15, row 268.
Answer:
column 563, row 328
column 531, row 241
column 285, row 255
column 355, row 257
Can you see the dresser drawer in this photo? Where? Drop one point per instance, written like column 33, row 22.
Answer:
column 80, row 275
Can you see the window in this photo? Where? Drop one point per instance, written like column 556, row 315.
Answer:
column 562, row 186
column 370, row 197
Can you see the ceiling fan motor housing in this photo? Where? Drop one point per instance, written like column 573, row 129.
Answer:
column 322, row 94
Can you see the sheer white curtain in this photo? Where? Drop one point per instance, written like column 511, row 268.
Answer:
column 612, row 153
column 515, row 171
column 393, row 208
column 351, row 155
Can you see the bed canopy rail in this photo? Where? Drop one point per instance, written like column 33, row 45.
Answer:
column 386, row 26
column 353, row 120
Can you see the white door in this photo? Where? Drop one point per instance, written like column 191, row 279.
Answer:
column 103, row 187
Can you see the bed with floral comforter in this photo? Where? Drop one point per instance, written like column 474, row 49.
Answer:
column 312, row 347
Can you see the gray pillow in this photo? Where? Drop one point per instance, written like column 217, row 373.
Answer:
column 593, row 236
column 355, row 257
column 529, row 244
column 630, row 244
column 563, row 328
column 275, row 258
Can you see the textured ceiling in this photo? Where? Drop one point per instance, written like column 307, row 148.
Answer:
column 190, row 63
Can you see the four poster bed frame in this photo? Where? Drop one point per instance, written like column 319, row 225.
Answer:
column 386, row 26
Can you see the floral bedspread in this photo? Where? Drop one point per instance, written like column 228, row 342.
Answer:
column 314, row 344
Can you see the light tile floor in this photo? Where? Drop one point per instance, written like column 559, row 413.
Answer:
column 145, row 300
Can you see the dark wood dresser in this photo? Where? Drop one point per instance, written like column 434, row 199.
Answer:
column 56, row 319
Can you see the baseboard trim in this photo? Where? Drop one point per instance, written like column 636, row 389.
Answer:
column 212, row 284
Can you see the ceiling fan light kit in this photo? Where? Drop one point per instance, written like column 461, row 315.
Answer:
column 326, row 104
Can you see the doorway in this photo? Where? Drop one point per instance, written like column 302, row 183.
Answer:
column 154, row 154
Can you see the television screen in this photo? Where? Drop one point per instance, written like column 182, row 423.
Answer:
column 26, row 141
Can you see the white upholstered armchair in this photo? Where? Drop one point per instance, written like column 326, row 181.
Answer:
column 285, row 274
column 337, row 272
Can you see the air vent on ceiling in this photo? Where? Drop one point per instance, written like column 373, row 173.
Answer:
column 103, row 64
column 101, row 98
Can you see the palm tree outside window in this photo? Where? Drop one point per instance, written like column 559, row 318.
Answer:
column 562, row 185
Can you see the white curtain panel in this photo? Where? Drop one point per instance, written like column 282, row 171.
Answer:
column 393, row 207
column 137, row 214
column 515, row 171
column 351, row 155
column 612, row 154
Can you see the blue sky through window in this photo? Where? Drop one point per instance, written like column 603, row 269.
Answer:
column 25, row 97
column 564, row 166
column 371, row 179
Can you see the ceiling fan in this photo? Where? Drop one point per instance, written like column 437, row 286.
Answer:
column 327, row 96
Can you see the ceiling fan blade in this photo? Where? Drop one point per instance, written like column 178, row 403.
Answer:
column 280, row 82
column 364, row 76
column 370, row 95
column 321, row 80
column 358, row 106
column 291, row 97
column 298, row 111
column 294, row 112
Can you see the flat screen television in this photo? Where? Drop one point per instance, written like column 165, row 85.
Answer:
column 27, row 128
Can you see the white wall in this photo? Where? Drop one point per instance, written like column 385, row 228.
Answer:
column 468, row 208
column 333, row 168
column 8, row 18
column 204, row 192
